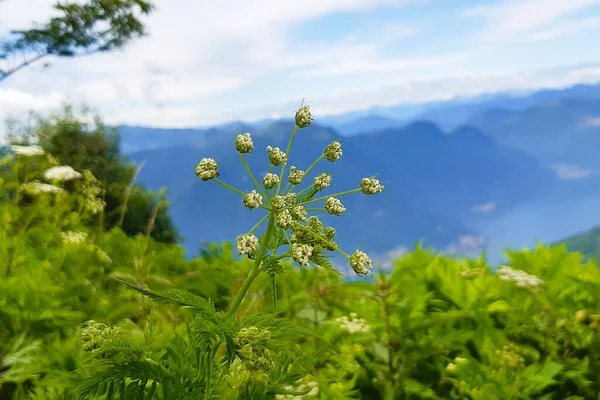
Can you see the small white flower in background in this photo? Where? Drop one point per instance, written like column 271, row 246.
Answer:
column 207, row 169
column 370, row 186
column 521, row 278
column 276, row 156
column 302, row 385
column 322, row 181
column 244, row 143
column 334, row 206
column 247, row 244
column 303, row 117
column 361, row 263
column 333, row 152
column 27, row 150
column 452, row 368
column 253, row 199
column 61, row 173
column 71, row 237
column 36, row 187
column 284, row 218
column 301, row 253
column 270, row 180
column 295, row 177
column 353, row 324
column 329, row 232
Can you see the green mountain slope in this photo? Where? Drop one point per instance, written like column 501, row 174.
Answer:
column 586, row 243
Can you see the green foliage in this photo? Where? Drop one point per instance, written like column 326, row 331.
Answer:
column 90, row 312
column 94, row 147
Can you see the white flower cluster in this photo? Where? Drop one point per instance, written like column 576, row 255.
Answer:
column 302, row 385
column 284, row 218
column 36, row 187
column 207, row 169
column 295, row 177
column 27, row 151
column 270, row 180
column 334, row 206
column 244, row 143
column 322, row 181
column 353, row 324
column 276, row 156
column 303, row 117
column 521, row 278
column 61, row 173
column 370, row 186
column 71, row 237
column 247, row 244
column 253, row 199
column 361, row 263
column 333, row 152
column 301, row 253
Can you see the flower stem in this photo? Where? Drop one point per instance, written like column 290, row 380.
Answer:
column 229, row 187
column 252, row 176
column 331, row 195
column 287, row 153
column 322, row 156
column 255, row 271
column 259, row 223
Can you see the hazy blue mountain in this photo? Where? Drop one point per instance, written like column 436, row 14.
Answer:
column 449, row 114
column 559, row 132
column 368, row 123
column 432, row 180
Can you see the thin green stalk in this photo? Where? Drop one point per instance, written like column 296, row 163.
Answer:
column 252, row 176
column 322, row 156
column 255, row 268
column 331, row 195
column 259, row 223
column 237, row 191
column 287, row 153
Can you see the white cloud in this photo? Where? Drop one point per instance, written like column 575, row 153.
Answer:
column 485, row 208
column 570, row 171
column 465, row 244
column 591, row 122
column 510, row 18
column 564, row 29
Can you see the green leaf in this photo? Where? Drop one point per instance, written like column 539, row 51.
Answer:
column 175, row 296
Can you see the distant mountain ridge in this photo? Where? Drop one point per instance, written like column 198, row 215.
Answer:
column 436, row 179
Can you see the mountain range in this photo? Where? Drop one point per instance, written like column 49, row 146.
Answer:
column 443, row 165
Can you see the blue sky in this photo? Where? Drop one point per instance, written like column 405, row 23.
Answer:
column 207, row 61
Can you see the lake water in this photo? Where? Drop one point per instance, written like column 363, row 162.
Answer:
column 543, row 221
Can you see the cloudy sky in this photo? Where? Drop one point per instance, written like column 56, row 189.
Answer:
column 206, row 62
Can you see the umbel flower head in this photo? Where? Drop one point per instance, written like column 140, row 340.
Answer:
column 333, row 152
column 276, row 156
column 27, row 151
column 289, row 224
column 303, row 116
column 207, row 169
column 361, row 263
column 322, row 181
column 247, row 244
column 253, row 200
column 244, row 143
column 370, row 186
column 270, row 180
column 61, row 173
